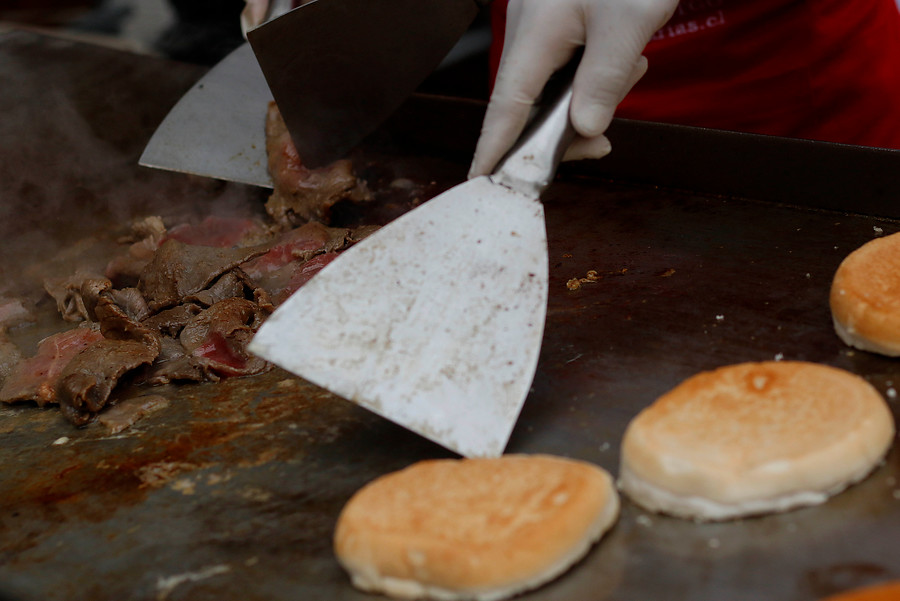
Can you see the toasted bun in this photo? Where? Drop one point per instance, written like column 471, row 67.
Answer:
column 473, row 528
column 886, row 591
column 754, row 438
column 865, row 297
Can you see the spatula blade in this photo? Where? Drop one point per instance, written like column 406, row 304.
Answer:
column 435, row 322
column 217, row 129
column 339, row 68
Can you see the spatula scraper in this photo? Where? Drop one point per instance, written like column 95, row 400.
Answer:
column 436, row 321
column 338, row 68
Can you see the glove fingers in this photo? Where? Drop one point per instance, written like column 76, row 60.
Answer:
column 502, row 126
column 602, row 80
column 540, row 39
column 612, row 61
column 598, row 147
column 588, row 148
column 637, row 72
column 253, row 14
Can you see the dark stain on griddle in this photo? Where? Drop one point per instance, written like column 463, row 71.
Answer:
column 236, row 423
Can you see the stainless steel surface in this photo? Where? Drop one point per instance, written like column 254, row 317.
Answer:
column 444, row 334
column 217, row 128
column 233, row 491
column 214, row 129
column 339, row 68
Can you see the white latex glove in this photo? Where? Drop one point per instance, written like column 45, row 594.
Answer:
column 253, row 14
column 257, row 11
column 541, row 37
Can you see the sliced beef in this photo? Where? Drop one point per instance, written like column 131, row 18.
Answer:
column 361, row 233
column 212, row 346
column 263, row 300
column 170, row 322
column 169, row 350
column 218, row 338
column 75, row 295
column 299, row 244
column 229, row 285
column 178, row 270
column 91, row 290
column 35, row 379
column 147, row 227
column 146, row 236
column 308, row 270
column 119, row 313
column 88, row 379
column 125, row 269
column 303, row 194
column 296, row 256
column 282, row 283
column 185, row 368
column 125, row 413
column 172, row 364
column 252, row 290
column 221, row 232
column 182, row 303
column 130, row 301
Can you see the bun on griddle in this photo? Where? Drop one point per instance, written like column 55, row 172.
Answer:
column 865, row 297
column 754, row 438
column 482, row 529
column 885, row 591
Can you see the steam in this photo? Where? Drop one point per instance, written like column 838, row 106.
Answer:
column 70, row 182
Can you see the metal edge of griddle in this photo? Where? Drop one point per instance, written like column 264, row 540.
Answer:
column 806, row 173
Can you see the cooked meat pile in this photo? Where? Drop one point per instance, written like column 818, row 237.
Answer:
column 181, row 303
column 188, row 316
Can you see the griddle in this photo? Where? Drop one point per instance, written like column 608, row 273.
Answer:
column 712, row 248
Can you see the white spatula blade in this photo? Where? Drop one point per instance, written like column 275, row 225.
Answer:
column 435, row 322
column 218, row 128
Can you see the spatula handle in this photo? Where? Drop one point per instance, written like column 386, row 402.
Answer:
column 531, row 164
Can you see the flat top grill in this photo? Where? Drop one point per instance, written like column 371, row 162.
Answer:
column 712, row 248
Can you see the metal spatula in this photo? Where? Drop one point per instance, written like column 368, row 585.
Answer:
column 338, row 69
column 436, row 321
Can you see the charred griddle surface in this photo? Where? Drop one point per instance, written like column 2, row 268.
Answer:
column 232, row 491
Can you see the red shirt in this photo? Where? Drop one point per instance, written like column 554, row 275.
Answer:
column 816, row 69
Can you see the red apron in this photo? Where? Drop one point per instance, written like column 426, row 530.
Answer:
column 816, row 69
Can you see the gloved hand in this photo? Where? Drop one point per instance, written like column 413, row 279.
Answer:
column 541, row 37
column 257, row 11
column 253, row 14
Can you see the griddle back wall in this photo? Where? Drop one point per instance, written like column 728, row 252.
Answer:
column 804, row 173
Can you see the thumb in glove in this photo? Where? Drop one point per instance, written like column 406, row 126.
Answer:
column 541, row 37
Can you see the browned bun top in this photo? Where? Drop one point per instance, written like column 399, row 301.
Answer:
column 474, row 525
column 865, row 296
column 759, row 431
column 759, row 412
column 886, row 591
